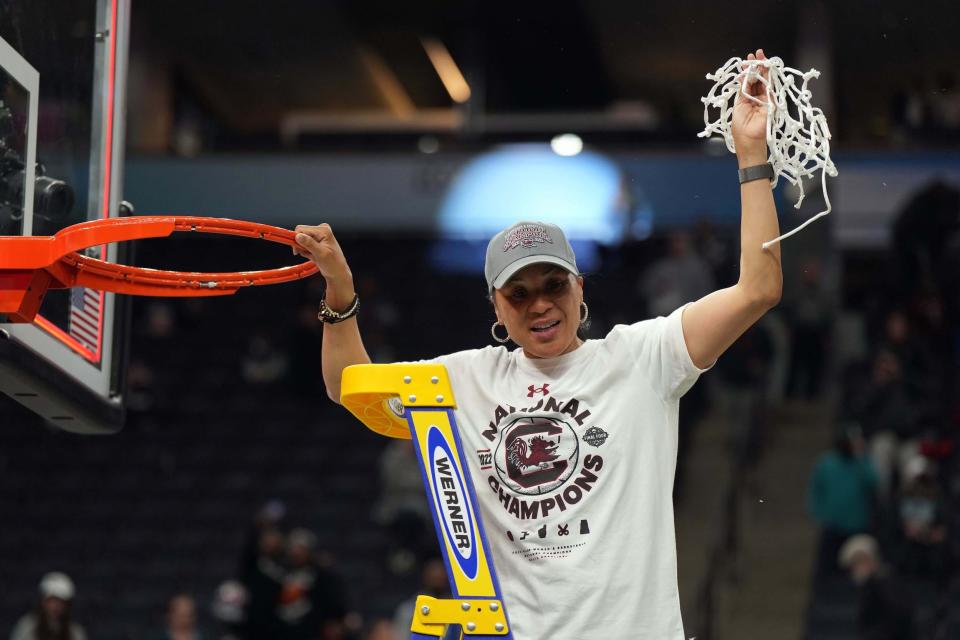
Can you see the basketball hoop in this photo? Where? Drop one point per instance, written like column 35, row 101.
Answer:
column 799, row 146
column 30, row 266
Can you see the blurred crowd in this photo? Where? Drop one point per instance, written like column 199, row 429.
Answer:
column 887, row 495
column 286, row 588
column 286, row 585
column 927, row 110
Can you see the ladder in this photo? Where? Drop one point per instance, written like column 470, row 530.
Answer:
column 415, row 401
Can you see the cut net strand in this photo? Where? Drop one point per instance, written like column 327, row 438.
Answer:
column 799, row 145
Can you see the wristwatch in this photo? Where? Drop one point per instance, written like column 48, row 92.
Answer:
column 756, row 172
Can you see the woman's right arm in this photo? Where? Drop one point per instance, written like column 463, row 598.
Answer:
column 342, row 345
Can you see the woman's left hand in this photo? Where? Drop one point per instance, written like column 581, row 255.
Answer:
column 749, row 126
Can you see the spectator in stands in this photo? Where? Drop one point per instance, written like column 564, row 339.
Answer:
column 678, row 277
column 945, row 103
column 142, row 387
column 382, row 629
column 922, row 549
column 841, row 496
column 161, row 321
column 384, row 316
column 51, row 620
column 741, row 375
column 229, row 610
column 921, row 359
column 181, row 621
column 937, row 334
column 910, row 109
column 921, row 233
column 402, row 506
column 883, row 406
column 899, row 340
column 810, row 317
column 885, row 612
column 263, row 364
column 313, row 599
column 715, row 249
column 301, row 347
column 434, row 583
column 683, row 274
column 946, row 619
column 262, row 571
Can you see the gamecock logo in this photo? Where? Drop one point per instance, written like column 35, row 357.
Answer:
column 541, row 452
column 536, row 455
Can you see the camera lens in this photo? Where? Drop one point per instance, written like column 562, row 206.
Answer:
column 52, row 198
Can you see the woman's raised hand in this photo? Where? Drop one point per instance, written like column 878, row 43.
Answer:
column 749, row 126
column 317, row 243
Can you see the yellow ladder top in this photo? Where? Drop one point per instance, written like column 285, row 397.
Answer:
column 377, row 394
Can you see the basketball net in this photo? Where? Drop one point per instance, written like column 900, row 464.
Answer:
column 798, row 137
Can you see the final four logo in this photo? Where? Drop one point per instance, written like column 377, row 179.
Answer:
column 452, row 502
column 595, row 436
column 526, row 236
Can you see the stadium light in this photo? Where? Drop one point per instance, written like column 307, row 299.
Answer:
column 450, row 75
column 567, row 144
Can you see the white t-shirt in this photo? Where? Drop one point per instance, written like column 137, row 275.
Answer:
column 573, row 460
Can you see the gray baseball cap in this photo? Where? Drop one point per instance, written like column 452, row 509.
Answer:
column 523, row 244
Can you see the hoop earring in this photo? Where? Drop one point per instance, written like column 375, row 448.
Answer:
column 493, row 332
column 585, row 312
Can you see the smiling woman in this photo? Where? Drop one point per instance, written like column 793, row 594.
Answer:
column 536, row 289
column 539, row 307
column 549, row 410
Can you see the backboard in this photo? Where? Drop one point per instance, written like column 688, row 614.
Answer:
column 62, row 80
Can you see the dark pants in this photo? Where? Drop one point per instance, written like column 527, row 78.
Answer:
column 806, row 361
column 828, row 549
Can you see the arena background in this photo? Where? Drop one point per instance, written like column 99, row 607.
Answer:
column 346, row 113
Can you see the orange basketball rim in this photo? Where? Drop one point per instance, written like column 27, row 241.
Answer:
column 30, row 266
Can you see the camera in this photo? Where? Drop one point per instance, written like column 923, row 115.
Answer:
column 52, row 198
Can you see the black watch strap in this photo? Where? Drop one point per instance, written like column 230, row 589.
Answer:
column 756, row 172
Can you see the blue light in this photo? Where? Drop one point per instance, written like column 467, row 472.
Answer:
column 583, row 194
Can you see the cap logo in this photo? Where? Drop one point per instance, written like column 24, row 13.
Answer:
column 526, row 236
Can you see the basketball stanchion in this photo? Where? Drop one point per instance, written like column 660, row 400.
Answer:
column 416, row 401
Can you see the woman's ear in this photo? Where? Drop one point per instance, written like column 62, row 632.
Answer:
column 493, row 303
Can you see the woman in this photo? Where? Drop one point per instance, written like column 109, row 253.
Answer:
column 51, row 620
column 581, row 435
column 841, row 496
column 181, row 619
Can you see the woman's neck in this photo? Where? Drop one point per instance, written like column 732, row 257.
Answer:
column 573, row 346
